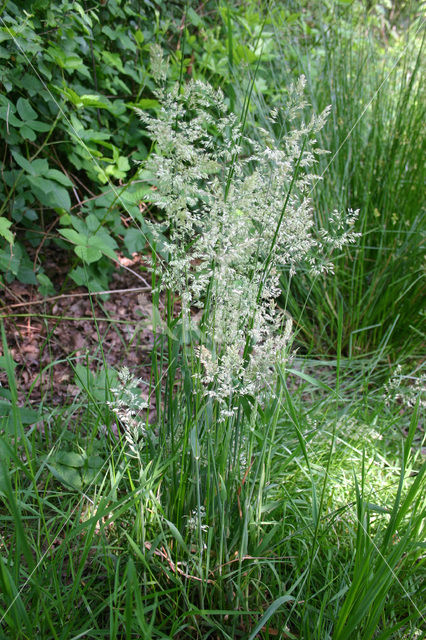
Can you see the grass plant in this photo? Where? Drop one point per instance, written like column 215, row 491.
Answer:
column 376, row 143
column 272, row 494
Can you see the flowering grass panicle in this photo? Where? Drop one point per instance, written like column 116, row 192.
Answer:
column 196, row 521
column 237, row 212
column 405, row 390
column 127, row 406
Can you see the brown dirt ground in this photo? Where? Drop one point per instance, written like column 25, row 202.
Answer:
column 44, row 333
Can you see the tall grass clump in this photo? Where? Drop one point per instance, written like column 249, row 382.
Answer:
column 217, row 505
column 236, row 210
column 372, row 77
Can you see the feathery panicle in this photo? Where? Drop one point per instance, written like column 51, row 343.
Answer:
column 237, row 212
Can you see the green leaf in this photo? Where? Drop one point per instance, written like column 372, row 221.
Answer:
column 100, row 242
column 60, row 198
column 70, row 459
column 6, row 113
column 134, row 240
column 36, row 125
column 112, row 59
column 9, row 417
column 10, row 261
column 25, row 110
column 72, row 236
column 145, row 103
column 68, row 62
column 27, row 133
column 90, row 278
column 177, row 535
column 50, row 193
column 69, row 476
column 45, row 287
column 314, row 381
column 31, row 84
column 88, row 254
column 94, row 101
column 123, row 164
column 92, row 223
column 112, row 35
column 72, row 96
column 138, row 36
column 4, row 229
column 5, row 456
column 60, row 177
column 193, row 17
column 8, row 360
column 37, row 167
column 26, row 273
column 95, row 462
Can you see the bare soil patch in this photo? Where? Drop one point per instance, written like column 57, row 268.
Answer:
column 45, row 334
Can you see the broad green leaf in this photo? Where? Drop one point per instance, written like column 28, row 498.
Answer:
column 69, row 476
column 9, row 417
column 60, row 177
column 26, row 273
column 5, row 224
column 79, row 225
column 90, row 475
column 145, row 103
column 98, row 243
column 36, row 125
column 37, row 167
column 193, row 17
column 25, row 110
column 72, row 96
column 123, row 163
column 112, row 59
column 112, row 35
column 89, row 248
column 68, row 62
column 7, row 115
column 134, row 240
column 60, row 197
column 95, row 462
column 92, row 223
column 50, row 193
column 90, row 278
column 27, row 133
column 94, row 101
column 70, row 459
column 72, row 236
column 31, row 84
column 138, row 36
column 5, row 34
column 10, row 261
column 45, row 287
column 88, row 254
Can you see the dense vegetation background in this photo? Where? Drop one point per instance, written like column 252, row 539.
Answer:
column 303, row 517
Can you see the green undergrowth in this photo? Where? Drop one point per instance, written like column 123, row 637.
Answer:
column 304, row 519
